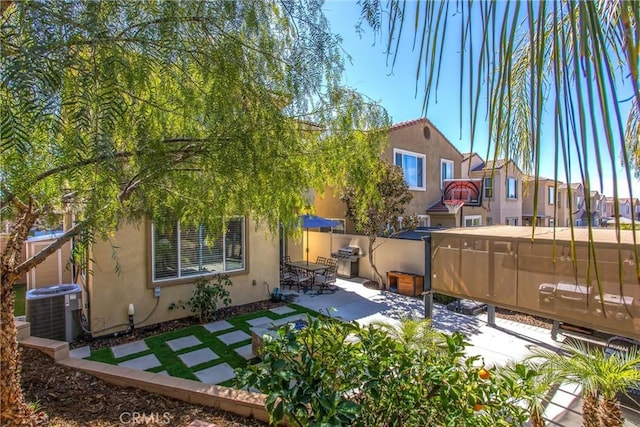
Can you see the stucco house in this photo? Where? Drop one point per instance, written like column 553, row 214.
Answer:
column 427, row 158
column 544, row 212
column 570, row 203
column 501, row 187
column 152, row 267
column 629, row 208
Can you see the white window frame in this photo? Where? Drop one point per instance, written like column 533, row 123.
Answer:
column 513, row 221
column 422, row 186
column 424, row 221
column 551, row 195
column 515, row 188
column 181, row 277
column 444, row 162
column 485, row 187
column 473, row 219
column 341, row 229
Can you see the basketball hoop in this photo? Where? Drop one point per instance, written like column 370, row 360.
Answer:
column 453, row 205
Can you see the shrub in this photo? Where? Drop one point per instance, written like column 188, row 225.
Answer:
column 335, row 373
column 204, row 301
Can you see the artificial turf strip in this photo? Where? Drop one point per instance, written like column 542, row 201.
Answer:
column 170, row 361
column 19, row 289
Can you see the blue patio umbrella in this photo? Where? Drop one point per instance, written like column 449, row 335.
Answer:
column 313, row 221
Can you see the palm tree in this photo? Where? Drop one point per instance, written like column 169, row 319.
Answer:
column 600, row 375
column 414, row 334
column 574, row 63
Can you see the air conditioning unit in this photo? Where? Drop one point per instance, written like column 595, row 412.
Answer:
column 54, row 312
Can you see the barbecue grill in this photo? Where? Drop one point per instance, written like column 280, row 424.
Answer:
column 347, row 259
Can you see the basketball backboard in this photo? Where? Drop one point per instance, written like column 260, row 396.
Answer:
column 468, row 191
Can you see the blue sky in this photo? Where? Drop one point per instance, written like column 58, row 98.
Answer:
column 369, row 73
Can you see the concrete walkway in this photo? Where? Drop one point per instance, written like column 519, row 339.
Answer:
column 506, row 341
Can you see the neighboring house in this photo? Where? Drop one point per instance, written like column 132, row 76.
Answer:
column 629, row 208
column 589, row 210
column 571, row 204
column 544, row 212
column 141, row 262
column 501, row 188
column 427, row 158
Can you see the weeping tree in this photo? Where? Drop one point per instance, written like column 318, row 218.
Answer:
column 113, row 111
column 376, row 210
column 573, row 63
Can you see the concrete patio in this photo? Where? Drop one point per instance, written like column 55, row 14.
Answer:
column 498, row 344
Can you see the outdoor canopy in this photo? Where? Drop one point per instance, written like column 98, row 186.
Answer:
column 313, row 221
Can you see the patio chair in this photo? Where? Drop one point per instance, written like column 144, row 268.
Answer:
column 300, row 277
column 321, row 260
column 286, row 276
column 326, row 281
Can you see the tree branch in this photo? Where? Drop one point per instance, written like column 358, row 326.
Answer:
column 54, row 246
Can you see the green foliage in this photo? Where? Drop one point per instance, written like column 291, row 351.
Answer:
column 187, row 110
column 335, row 373
column 376, row 207
column 601, row 375
column 206, row 296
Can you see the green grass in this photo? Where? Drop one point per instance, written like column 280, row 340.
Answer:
column 20, row 289
column 171, row 362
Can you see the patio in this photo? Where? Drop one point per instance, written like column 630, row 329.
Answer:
column 352, row 301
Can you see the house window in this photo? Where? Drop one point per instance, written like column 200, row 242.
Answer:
column 184, row 250
column 559, row 202
column 338, row 229
column 472, row 220
column 626, row 209
column 512, row 221
column 488, row 188
column 512, row 188
column 489, row 220
column 413, row 168
column 424, row 220
column 446, row 171
column 551, row 195
column 578, row 202
column 552, row 222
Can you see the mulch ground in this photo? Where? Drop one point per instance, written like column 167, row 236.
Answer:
column 72, row 398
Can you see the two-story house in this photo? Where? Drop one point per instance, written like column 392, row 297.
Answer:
column 571, row 204
column 629, row 208
column 543, row 213
column 501, row 188
column 427, row 158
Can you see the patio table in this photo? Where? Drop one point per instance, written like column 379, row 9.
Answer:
column 311, row 267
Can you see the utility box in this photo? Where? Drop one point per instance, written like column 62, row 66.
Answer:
column 54, row 312
column 405, row 283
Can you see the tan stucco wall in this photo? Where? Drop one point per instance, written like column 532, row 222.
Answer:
column 543, row 208
column 112, row 292
column 391, row 254
column 435, row 148
column 499, row 207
